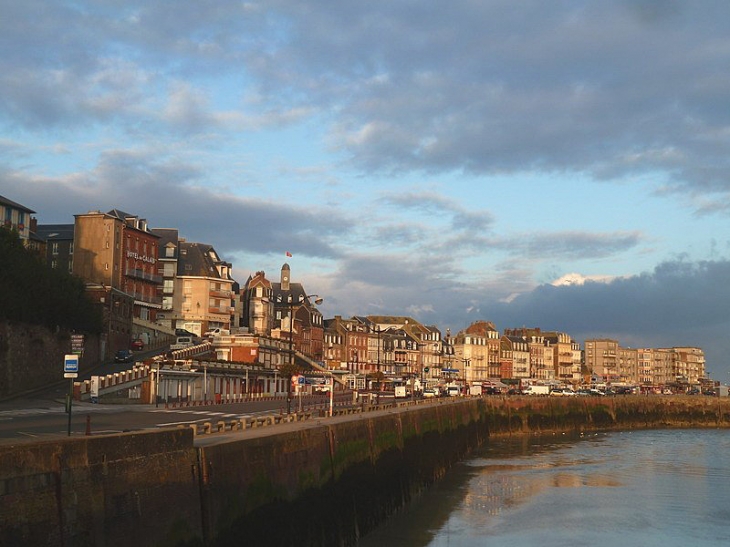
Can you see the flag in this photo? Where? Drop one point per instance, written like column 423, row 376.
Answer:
column 288, row 254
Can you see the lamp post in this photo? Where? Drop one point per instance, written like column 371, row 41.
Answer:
column 290, row 299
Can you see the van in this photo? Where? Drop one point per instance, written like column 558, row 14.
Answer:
column 182, row 342
column 453, row 391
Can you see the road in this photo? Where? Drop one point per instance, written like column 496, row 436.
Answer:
column 42, row 415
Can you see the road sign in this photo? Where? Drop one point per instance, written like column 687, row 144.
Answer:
column 71, row 366
column 77, row 343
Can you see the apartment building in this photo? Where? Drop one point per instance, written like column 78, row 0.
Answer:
column 628, row 366
column 566, row 357
column 203, row 289
column 59, row 245
column 541, row 354
column 167, row 258
column 477, row 352
column 601, row 357
column 257, row 304
column 117, row 250
column 518, row 349
column 15, row 216
column 688, row 365
column 401, row 344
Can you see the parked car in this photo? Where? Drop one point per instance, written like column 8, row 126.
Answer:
column 123, row 356
column 430, row 392
column 216, row 332
column 137, row 344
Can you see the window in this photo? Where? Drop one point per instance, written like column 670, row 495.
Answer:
column 54, row 249
column 71, row 248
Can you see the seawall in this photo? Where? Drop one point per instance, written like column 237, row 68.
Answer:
column 323, row 482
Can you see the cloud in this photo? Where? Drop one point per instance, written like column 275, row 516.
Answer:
column 678, row 303
column 571, row 244
column 170, row 193
column 496, row 87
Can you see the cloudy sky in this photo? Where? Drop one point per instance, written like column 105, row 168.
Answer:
column 558, row 164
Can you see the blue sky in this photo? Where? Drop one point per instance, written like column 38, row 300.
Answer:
column 453, row 161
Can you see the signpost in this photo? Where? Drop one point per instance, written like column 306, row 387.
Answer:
column 70, row 370
column 77, row 344
column 301, row 382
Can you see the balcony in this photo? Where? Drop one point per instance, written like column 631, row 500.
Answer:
column 221, row 294
column 136, row 273
column 222, row 309
column 139, row 297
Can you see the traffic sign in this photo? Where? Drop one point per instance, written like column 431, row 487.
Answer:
column 71, row 366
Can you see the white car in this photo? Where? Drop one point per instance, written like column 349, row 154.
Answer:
column 429, row 392
column 216, row 332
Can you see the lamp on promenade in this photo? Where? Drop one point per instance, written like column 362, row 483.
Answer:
column 291, row 301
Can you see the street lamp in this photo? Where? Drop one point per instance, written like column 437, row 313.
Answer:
column 300, row 300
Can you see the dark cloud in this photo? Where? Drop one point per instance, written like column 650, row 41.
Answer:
column 678, row 303
column 170, row 193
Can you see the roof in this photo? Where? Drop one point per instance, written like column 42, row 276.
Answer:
column 10, row 203
column 198, row 260
column 55, row 232
column 168, row 236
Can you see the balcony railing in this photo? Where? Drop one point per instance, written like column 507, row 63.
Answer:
column 136, row 273
column 221, row 309
column 221, row 294
column 146, row 298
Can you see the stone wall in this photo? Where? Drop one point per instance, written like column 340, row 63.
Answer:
column 31, row 357
column 325, row 482
column 127, row 489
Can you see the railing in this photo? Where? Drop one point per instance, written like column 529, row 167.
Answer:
column 141, row 274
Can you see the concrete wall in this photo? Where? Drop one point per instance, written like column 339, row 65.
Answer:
column 324, row 483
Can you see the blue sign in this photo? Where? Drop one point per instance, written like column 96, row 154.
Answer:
column 70, row 366
column 301, row 380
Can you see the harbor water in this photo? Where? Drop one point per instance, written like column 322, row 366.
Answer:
column 633, row 488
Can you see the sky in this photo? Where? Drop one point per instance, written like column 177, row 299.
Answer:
column 562, row 165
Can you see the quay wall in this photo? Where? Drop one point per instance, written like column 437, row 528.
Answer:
column 327, row 481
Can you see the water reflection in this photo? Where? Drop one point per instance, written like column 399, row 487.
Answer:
column 646, row 488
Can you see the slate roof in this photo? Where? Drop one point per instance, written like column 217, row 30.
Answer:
column 55, row 232
column 6, row 201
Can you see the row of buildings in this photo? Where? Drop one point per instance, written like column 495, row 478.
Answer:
column 150, row 282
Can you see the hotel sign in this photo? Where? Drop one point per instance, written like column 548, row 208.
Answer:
column 142, row 258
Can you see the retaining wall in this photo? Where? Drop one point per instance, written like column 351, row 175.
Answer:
column 321, row 482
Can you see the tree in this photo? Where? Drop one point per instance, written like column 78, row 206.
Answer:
column 31, row 292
